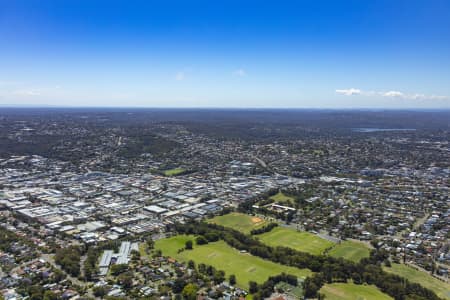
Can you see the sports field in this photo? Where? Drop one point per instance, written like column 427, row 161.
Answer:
column 246, row 267
column 350, row 291
column 442, row 289
column 298, row 240
column 287, row 237
column 174, row 172
column 241, row 222
column 350, row 250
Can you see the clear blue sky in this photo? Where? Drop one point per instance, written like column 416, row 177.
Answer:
column 334, row 54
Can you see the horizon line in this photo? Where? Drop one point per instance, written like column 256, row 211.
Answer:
column 48, row 106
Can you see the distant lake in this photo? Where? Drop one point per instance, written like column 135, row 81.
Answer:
column 364, row 129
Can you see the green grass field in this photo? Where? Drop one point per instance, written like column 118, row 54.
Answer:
column 350, row 250
column 238, row 221
column 301, row 241
column 223, row 257
column 174, row 172
column 442, row 289
column 298, row 240
column 282, row 199
column 350, row 291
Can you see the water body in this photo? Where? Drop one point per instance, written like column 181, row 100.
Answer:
column 368, row 130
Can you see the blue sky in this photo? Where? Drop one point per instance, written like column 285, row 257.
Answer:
column 321, row 54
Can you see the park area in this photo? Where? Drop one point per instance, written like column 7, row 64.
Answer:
column 351, row 250
column 244, row 266
column 441, row 289
column 351, row 291
column 289, row 237
column 174, row 172
column 241, row 222
column 297, row 240
column 283, row 199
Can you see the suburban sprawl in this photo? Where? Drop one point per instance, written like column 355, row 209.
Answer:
column 149, row 204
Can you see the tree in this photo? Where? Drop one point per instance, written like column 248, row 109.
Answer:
column 36, row 292
column 210, row 270
column 310, row 288
column 49, row 295
column 188, row 245
column 321, row 296
column 126, row 280
column 232, row 279
column 100, row 291
column 88, row 272
column 212, row 236
column 150, row 243
column 201, row 240
column 219, row 276
column 36, row 296
column 191, row 264
column 374, row 243
column 178, row 285
column 69, row 259
column 58, row 275
column 202, row 268
column 190, row 291
column 135, row 255
column 119, row 268
column 253, row 287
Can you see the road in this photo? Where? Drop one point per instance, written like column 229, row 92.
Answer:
column 413, row 265
column 261, row 162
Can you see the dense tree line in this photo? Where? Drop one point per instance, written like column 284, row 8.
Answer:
column 328, row 269
column 69, row 259
column 265, row 228
column 208, row 237
column 90, row 264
